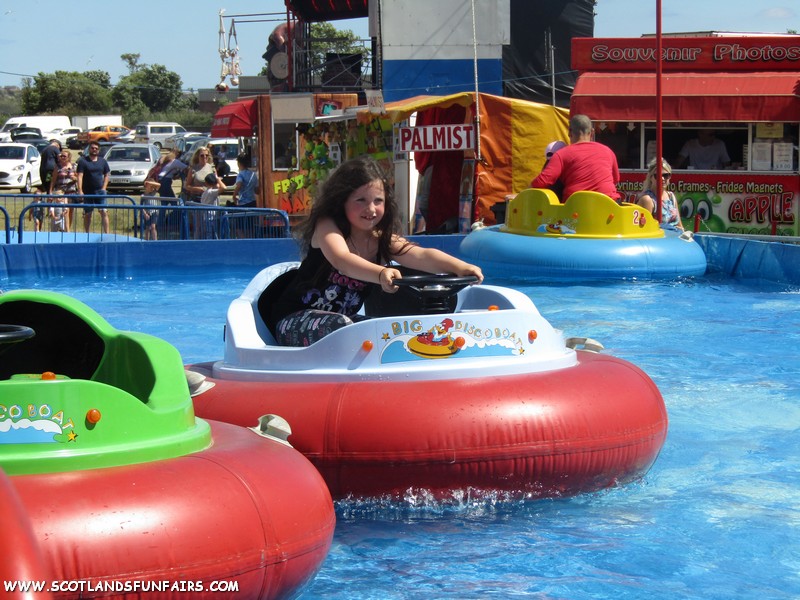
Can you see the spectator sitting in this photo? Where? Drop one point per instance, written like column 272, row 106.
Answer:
column 670, row 215
column 583, row 165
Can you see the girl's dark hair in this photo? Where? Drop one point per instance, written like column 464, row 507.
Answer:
column 342, row 182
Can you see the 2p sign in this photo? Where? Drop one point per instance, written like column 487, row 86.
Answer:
column 435, row 138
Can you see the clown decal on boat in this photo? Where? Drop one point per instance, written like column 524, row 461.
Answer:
column 558, row 227
column 447, row 338
column 436, row 342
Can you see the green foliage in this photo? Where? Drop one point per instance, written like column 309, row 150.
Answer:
column 132, row 60
column 326, row 38
column 153, row 86
column 66, row 92
column 101, row 78
column 149, row 93
column 10, row 103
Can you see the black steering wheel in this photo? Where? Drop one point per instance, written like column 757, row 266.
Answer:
column 435, row 291
column 10, row 334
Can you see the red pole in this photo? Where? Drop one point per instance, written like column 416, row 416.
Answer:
column 289, row 50
column 659, row 115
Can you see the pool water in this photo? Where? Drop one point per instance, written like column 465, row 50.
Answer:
column 717, row 517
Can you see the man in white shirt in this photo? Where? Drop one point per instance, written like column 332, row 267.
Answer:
column 705, row 152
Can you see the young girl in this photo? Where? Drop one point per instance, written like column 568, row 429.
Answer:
column 58, row 214
column 670, row 214
column 36, row 214
column 347, row 241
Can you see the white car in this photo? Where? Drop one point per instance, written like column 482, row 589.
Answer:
column 126, row 138
column 63, row 134
column 19, row 167
column 183, row 140
column 129, row 164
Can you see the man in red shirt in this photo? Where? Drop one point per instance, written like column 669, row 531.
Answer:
column 584, row 165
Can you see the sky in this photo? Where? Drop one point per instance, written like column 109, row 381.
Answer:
column 48, row 36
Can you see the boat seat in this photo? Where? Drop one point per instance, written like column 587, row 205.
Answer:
column 64, row 343
column 271, row 293
column 376, row 304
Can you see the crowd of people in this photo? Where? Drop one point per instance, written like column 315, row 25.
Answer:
column 86, row 182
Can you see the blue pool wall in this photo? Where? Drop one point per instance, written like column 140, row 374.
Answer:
column 739, row 258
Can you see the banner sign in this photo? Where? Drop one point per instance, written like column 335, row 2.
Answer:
column 435, row 138
column 756, row 53
column 730, row 201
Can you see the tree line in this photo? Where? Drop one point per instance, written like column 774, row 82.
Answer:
column 147, row 92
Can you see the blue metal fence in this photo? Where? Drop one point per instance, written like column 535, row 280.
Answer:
column 154, row 218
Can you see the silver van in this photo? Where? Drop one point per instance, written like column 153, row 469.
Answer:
column 155, row 132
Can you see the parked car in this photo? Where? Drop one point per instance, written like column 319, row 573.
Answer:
column 227, row 149
column 126, row 138
column 45, row 124
column 101, row 133
column 38, row 143
column 155, row 132
column 20, row 134
column 19, row 166
column 63, row 134
column 129, row 164
column 202, row 142
column 179, row 140
column 185, row 143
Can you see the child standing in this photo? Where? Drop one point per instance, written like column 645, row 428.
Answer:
column 212, row 186
column 347, row 242
column 58, row 214
column 246, row 186
column 36, row 214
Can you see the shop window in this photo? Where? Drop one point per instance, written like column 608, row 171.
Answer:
column 774, row 147
column 732, row 136
column 284, row 145
column 750, row 146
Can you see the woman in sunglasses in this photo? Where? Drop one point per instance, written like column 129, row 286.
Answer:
column 670, row 214
column 200, row 167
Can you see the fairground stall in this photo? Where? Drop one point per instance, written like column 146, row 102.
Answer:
column 738, row 95
column 291, row 141
column 429, row 143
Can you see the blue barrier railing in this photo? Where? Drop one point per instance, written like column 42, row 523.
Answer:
column 7, row 223
column 154, row 219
